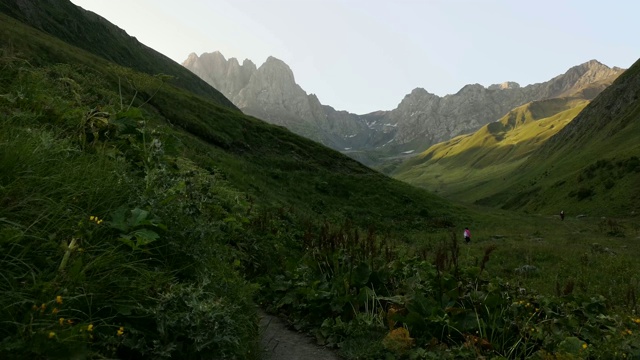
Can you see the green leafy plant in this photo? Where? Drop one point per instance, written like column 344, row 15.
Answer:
column 136, row 227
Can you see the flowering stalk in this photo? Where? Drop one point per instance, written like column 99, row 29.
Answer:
column 67, row 253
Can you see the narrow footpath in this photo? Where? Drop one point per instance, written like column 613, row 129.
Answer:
column 281, row 343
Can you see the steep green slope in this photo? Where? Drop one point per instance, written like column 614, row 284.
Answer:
column 590, row 166
column 470, row 167
column 94, row 34
column 274, row 164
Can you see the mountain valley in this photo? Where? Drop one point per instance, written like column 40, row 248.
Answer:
column 149, row 213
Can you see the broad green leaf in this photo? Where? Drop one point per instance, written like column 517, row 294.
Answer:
column 361, row 274
column 144, row 236
column 118, row 220
column 138, row 217
column 571, row 345
column 126, row 240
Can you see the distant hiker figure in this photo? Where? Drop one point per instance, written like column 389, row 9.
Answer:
column 467, row 235
column 562, row 215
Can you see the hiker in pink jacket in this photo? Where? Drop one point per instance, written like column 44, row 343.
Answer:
column 467, row 235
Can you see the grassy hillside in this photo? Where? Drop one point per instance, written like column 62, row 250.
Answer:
column 90, row 32
column 590, row 166
column 473, row 166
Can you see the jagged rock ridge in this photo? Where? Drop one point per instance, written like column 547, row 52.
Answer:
column 424, row 119
column 271, row 94
column 420, row 120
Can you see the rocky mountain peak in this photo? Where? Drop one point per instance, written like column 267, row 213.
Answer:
column 595, row 63
column 228, row 76
column 275, row 64
column 192, row 57
column 274, row 73
column 249, row 64
column 581, row 76
column 420, row 93
column 504, row 86
column 592, row 67
column 471, row 88
column 215, row 56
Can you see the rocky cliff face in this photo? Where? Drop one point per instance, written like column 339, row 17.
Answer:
column 271, row 94
column 420, row 120
column 229, row 77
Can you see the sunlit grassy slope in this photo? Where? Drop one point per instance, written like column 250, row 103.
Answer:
column 473, row 166
column 591, row 166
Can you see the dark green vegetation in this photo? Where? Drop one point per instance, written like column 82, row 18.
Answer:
column 142, row 220
column 94, row 34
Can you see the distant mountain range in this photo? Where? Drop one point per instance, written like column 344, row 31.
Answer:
column 559, row 153
column 591, row 165
column 269, row 92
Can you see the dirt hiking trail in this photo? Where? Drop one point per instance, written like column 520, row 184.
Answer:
column 281, row 343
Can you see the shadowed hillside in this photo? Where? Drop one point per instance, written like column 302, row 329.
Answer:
column 92, row 33
column 134, row 211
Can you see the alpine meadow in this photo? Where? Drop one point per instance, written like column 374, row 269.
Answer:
column 143, row 215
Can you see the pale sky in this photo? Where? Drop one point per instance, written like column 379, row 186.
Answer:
column 366, row 55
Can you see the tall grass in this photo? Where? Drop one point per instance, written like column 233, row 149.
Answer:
column 106, row 249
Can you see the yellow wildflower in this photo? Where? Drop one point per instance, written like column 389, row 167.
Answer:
column 120, row 331
column 54, row 311
column 584, row 346
column 52, row 335
column 398, row 340
column 61, row 321
column 90, row 327
column 43, row 307
column 95, row 219
column 59, row 299
column 629, row 332
column 70, row 322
